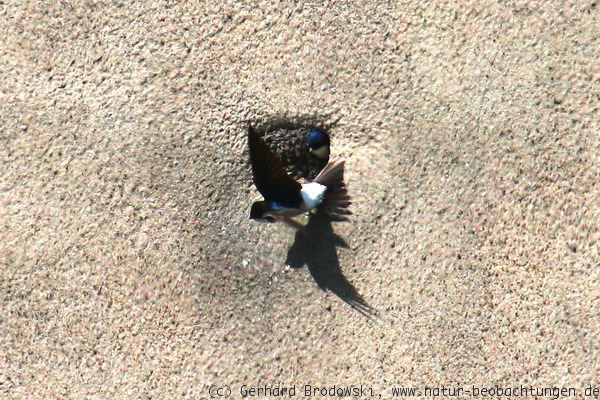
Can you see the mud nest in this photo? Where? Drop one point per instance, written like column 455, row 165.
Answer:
column 290, row 147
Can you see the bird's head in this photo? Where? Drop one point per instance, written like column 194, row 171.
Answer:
column 318, row 143
column 258, row 212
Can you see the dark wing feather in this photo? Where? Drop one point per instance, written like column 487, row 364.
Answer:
column 270, row 178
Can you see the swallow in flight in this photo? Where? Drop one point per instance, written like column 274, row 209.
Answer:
column 284, row 197
column 318, row 144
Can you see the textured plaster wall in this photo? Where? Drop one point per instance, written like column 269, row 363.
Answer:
column 128, row 265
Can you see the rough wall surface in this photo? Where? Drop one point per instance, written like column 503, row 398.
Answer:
column 128, row 265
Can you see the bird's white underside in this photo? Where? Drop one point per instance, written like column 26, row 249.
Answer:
column 312, row 194
column 322, row 152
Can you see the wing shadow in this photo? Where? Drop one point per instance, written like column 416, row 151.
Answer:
column 315, row 245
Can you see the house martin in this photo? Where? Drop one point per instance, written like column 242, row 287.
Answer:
column 284, row 197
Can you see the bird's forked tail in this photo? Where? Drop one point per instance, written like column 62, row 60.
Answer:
column 336, row 201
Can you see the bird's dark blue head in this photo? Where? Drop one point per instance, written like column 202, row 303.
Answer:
column 257, row 212
column 317, row 138
column 318, row 143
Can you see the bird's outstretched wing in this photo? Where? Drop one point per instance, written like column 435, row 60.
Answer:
column 270, row 178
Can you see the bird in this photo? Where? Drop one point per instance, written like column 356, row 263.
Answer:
column 284, row 197
column 318, row 144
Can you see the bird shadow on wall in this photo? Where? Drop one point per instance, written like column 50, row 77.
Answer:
column 315, row 245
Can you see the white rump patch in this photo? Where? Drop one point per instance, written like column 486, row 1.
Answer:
column 312, row 194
